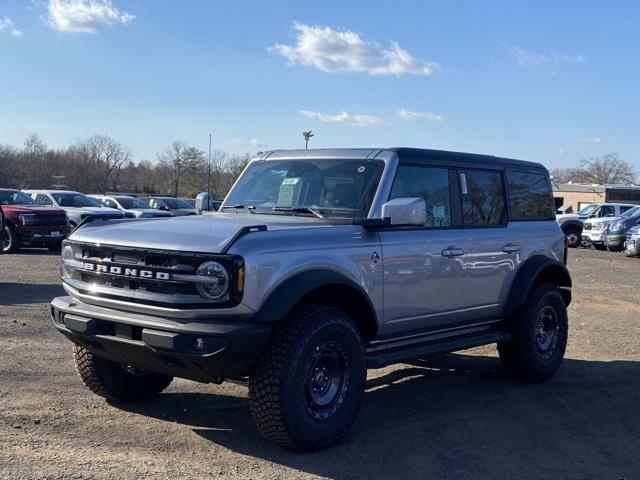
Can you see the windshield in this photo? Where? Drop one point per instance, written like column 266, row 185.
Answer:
column 336, row 188
column 130, row 202
column 75, row 200
column 175, row 203
column 632, row 212
column 14, row 197
column 588, row 209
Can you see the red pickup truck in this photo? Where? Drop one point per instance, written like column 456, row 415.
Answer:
column 26, row 223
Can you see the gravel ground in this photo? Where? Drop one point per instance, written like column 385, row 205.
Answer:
column 453, row 417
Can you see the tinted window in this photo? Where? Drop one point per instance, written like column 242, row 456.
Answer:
column 482, row 198
column 43, row 200
column 432, row 184
column 607, row 211
column 14, row 197
column 624, row 209
column 530, row 196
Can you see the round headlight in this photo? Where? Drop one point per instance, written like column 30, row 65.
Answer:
column 215, row 282
column 68, row 256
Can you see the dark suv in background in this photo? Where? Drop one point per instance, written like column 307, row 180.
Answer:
column 27, row 223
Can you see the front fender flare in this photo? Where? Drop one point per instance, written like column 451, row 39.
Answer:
column 292, row 290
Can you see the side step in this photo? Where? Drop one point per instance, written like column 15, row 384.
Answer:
column 383, row 358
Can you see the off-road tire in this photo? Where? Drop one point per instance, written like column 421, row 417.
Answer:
column 521, row 356
column 11, row 237
column 573, row 235
column 115, row 383
column 278, row 394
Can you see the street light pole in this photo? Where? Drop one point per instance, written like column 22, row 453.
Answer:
column 307, row 136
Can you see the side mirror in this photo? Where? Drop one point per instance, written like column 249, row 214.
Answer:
column 406, row 211
column 163, row 207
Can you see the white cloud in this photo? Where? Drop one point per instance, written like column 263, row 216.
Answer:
column 523, row 58
column 252, row 142
column 339, row 51
column 588, row 140
column 358, row 120
column 409, row 116
column 84, row 16
column 7, row 25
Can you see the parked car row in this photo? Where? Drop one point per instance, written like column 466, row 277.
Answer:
column 44, row 218
column 605, row 226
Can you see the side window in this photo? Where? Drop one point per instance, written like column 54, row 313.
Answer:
column 109, row 203
column 432, row 184
column 624, row 209
column 483, row 202
column 43, row 200
column 530, row 196
column 153, row 203
column 608, row 211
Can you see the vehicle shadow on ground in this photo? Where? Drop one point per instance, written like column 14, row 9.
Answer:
column 35, row 251
column 26, row 293
column 455, row 416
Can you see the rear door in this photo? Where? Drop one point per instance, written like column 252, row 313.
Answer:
column 492, row 250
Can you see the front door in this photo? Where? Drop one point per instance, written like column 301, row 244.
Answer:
column 423, row 267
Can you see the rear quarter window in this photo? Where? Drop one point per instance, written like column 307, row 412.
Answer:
column 530, row 196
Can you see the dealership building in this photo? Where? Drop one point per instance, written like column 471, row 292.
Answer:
column 578, row 195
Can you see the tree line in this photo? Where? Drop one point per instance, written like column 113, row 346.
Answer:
column 609, row 169
column 99, row 164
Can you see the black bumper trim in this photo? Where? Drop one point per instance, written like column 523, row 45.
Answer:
column 212, row 350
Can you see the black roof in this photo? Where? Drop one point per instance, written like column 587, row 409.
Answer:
column 444, row 155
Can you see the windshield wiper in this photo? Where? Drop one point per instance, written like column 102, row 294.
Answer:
column 251, row 208
column 312, row 211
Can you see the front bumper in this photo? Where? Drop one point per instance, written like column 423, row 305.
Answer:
column 616, row 241
column 43, row 235
column 204, row 351
column 593, row 236
column 632, row 246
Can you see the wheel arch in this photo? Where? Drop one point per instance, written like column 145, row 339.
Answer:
column 572, row 224
column 321, row 287
column 538, row 268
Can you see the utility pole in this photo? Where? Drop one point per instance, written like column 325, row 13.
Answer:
column 307, row 136
column 209, row 173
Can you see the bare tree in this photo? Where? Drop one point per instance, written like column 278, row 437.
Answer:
column 606, row 170
column 172, row 160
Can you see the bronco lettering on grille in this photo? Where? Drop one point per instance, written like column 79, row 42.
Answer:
column 125, row 272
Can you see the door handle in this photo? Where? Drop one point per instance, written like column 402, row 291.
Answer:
column 453, row 252
column 511, row 248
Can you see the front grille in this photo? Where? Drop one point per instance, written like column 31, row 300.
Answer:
column 153, row 277
column 52, row 220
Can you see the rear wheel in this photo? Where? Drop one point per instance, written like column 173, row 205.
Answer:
column 10, row 240
column 539, row 334
column 307, row 387
column 573, row 236
column 115, row 382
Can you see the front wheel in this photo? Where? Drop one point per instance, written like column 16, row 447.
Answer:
column 115, row 382
column 10, row 240
column 308, row 384
column 573, row 237
column 539, row 333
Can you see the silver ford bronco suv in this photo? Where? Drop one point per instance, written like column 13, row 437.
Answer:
column 320, row 265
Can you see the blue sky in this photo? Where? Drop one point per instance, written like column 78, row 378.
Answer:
column 547, row 81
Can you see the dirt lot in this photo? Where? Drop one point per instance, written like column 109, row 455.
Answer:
column 455, row 417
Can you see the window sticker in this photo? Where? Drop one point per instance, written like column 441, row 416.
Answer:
column 287, row 191
column 463, row 183
column 361, row 169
